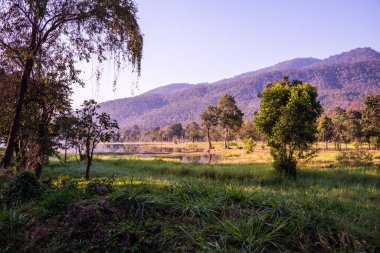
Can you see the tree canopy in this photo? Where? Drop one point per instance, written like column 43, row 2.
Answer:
column 46, row 36
column 287, row 118
column 230, row 116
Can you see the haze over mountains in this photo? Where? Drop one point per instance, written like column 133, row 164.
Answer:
column 341, row 79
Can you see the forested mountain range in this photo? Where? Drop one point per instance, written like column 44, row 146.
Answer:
column 341, row 79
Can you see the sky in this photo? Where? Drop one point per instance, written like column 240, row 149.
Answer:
column 197, row 41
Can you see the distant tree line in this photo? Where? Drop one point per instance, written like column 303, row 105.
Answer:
column 290, row 120
column 359, row 125
column 339, row 126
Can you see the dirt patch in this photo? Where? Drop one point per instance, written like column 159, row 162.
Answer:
column 85, row 219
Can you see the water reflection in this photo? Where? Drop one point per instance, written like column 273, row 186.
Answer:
column 185, row 155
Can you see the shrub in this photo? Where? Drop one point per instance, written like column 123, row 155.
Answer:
column 25, row 186
column 354, row 158
column 57, row 200
column 375, row 141
column 232, row 143
column 249, row 144
column 12, row 230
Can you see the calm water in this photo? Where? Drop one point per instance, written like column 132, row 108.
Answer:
column 185, row 155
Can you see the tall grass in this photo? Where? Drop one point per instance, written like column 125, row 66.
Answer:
column 163, row 205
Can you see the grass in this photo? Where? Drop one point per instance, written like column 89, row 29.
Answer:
column 235, row 155
column 162, row 205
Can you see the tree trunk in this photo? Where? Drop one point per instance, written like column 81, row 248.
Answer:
column 225, row 139
column 89, row 161
column 208, row 140
column 65, row 159
column 6, row 161
column 38, row 170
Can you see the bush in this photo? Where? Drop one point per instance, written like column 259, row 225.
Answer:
column 13, row 228
column 25, row 186
column 232, row 143
column 354, row 158
column 57, row 200
column 375, row 141
column 249, row 144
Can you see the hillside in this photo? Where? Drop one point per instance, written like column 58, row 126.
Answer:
column 341, row 79
column 169, row 89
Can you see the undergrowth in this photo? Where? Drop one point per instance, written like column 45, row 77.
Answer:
column 158, row 206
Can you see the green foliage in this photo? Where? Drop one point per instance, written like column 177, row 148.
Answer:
column 13, row 231
column 287, row 118
column 230, row 116
column 222, row 208
column 23, row 187
column 375, row 141
column 92, row 128
column 354, row 158
column 192, row 131
column 57, row 200
column 210, row 119
column 248, row 131
column 371, row 116
column 249, row 144
column 325, row 129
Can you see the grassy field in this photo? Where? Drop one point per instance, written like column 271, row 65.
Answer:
column 237, row 154
column 162, row 205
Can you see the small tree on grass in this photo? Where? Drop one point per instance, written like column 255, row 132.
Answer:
column 231, row 118
column 371, row 119
column 210, row 118
column 192, row 131
column 287, row 117
column 94, row 127
column 325, row 129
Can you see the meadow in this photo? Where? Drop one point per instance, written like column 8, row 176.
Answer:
column 157, row 204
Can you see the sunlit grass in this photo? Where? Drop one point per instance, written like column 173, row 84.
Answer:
column 166, row 205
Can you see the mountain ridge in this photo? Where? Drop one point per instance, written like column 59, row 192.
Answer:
column 341, row 80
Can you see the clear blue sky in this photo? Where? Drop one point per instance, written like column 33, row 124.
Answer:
column 207, row 40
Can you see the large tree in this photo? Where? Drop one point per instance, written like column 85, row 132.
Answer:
column 230, row 116
column 287, row 118
column 62, row 33
column 47, row 98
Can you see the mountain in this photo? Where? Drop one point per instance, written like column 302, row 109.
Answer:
column 341, row 79
column 169, row 89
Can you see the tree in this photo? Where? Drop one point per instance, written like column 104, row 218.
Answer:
column 210, row 119
column 340, row 130
column 353, row 126
column 95, row 127
column 192, row 131
column 248, row 131
column 175, row 131
column 230, row 116
column 132, row 134
column 371, row 118
column 47, row 98
column 325, row 129
column 62, row 33
column 66, row 127
column 287, row 118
